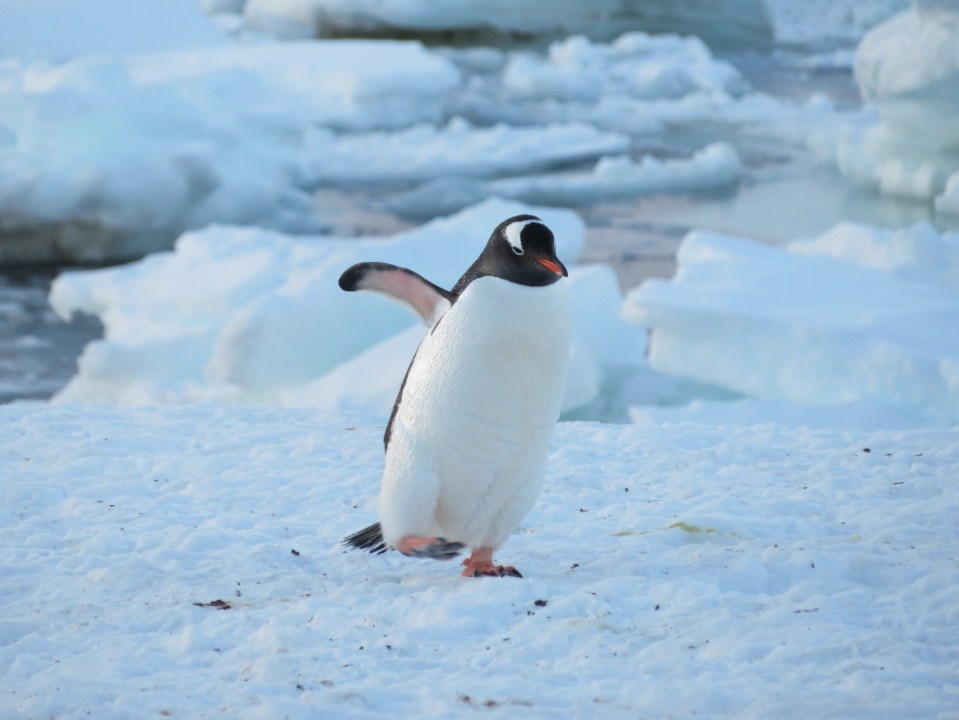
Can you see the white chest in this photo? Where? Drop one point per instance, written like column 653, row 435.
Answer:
column 478, row 411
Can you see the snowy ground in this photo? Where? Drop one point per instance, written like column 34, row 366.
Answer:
column 670, row 571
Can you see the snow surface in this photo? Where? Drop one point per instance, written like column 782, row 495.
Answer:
column 908, row 69
column 249, row 315
column 860, row 320
column 672, row 571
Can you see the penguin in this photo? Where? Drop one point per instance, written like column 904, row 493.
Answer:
column 467, row 441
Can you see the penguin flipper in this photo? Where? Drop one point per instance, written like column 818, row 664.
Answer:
column 427, row 300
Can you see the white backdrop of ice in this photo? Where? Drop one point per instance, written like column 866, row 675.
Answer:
column 242, row 133
column 857, row 316
column 612, row 178
column 145, row 147
column 249, row 315
column 908, row 69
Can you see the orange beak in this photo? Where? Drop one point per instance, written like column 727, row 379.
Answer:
column 553, row 266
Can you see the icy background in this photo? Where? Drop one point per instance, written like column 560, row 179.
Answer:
column 751, row 507
column 261, row 161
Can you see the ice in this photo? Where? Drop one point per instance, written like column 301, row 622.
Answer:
column 425, row 152
column 636, row 64
column 821, row 22
column 166, row 142
column 612, row 178
column 248, row 315
column 908, row 70
column 247, row 132
column 818, row 565
column 859, row 318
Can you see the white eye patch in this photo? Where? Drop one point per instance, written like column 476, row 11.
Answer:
column 512, row 233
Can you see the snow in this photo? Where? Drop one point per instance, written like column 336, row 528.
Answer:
column 670, row 571
column 860, row 321
column 248, row 315
column 908, row 69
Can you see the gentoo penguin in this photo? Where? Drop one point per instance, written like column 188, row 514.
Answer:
column 467, row 441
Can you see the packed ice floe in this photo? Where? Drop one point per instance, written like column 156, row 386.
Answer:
column 854, row 328
column 908, row 70
column 114, row 152
column 249, row 315
column 611, row 178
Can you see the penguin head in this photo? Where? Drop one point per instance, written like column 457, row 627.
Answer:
column 522, row 250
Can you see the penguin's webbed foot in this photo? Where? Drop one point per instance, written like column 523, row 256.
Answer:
column 434, row 548
column 480, row 564
column 492, row 571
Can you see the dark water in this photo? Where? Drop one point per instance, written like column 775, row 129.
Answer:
column 38, row 351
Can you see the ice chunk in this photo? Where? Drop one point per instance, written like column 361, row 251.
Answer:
column 774, row 323
column 908, row 69
column 613, row 178
column 108, row 158
column 425, row 152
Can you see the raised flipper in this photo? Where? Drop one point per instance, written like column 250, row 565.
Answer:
column 427, row 300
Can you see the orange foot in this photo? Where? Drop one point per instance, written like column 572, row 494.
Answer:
column 480, row 564
column 435, row 548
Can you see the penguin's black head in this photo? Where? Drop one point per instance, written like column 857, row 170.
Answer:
column 521, row 250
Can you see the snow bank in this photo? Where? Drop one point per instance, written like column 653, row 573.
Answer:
column 247, row 315
column 672, row 571
column 908, row 70
column 858, row 315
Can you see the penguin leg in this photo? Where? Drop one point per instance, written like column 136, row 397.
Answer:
column 435, row 548
column 480, row 564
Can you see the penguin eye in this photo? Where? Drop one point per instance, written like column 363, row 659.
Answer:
column 517, row 250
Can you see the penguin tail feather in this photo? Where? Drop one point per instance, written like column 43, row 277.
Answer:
column 369, row 539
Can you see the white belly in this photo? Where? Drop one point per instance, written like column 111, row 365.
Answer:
column 471, row 435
